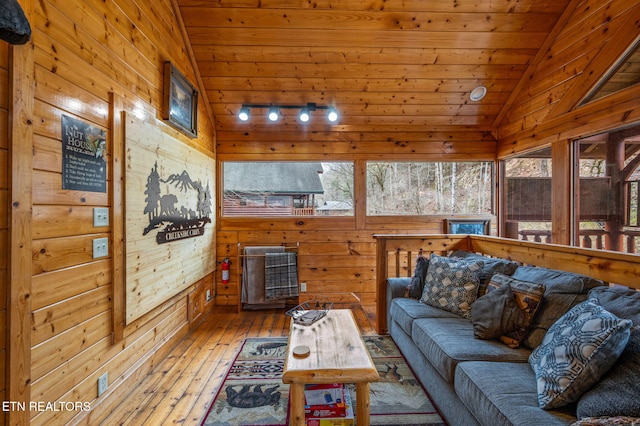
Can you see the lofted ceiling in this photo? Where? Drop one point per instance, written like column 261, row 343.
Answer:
column 386, row 65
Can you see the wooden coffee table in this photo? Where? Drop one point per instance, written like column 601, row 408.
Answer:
column 337, row 355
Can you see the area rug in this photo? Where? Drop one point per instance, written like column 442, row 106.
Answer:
column 253, row 393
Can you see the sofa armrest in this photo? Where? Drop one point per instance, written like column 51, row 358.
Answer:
column 396, row 287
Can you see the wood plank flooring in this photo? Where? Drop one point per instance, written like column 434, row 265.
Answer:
column 180, row 389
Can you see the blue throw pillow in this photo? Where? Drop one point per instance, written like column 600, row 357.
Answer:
column 576, row 351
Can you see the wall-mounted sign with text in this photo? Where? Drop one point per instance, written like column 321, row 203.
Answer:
column 84, row 166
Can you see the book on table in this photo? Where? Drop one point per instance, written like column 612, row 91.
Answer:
column 330, row 405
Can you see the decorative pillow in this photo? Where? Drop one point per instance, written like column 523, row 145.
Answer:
column 576, row 351
column 563, row 290
column 494, row 312
column 528, row 298
column 452, row 284
column 492, row 265
column 617, row 392
column 506, row 311
column 415, row 287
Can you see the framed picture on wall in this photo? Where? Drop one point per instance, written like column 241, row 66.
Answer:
column 180, row 106
column 467, row 226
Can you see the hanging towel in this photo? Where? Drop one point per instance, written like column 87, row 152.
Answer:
column 253, row 278
column 281, row 275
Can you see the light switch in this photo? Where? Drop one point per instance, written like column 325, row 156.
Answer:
column 100, row 247
column 100, row 216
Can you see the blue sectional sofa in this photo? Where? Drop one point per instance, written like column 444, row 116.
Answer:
column 485, row 381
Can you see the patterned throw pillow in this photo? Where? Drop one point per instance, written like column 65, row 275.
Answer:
column 576, row 351
column 494, row 313
column 528, row 297
column 452, row 284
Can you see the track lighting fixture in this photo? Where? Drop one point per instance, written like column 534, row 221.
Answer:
column 274, row 111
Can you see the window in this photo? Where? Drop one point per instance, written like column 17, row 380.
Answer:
column 527, row 197
column 260, row 188
column 408, row 188
column 608, row 184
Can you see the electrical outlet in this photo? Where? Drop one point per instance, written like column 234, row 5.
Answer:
column 208, row 295
column 100, row 247
column 100, row 216
column 103, row 383
column 303, row 287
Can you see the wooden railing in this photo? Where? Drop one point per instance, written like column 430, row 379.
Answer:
column 305, row 211
column 589, row 238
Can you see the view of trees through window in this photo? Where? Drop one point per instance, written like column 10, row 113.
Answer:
column 414, row 188
column 260, row 188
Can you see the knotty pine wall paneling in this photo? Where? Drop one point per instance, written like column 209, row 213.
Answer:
column 545, row 109
column 4, row 213
column 91, row 60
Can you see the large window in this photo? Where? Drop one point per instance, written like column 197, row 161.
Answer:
column 286, row 188
column 408, row 188
column 527, row 196
column 607, row 182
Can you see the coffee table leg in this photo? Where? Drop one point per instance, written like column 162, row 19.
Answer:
column 362, row 404
column 296, row 401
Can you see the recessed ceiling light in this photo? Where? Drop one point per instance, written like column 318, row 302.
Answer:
column 478, row 93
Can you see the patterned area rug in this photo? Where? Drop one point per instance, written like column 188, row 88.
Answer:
column 253, row 393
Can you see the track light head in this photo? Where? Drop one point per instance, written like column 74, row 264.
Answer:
column 273, row 114
column 304, row 115
column 332, row 115
column 243, row 115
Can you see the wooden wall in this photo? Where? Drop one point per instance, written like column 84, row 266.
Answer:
column 91, row 60
column 591, row 36
column 4, row 212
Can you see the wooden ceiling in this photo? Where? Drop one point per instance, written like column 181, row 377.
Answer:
column 386, row 65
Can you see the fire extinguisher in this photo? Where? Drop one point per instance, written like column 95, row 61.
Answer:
column 226, row 264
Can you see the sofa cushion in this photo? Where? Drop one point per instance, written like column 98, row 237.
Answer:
column 452, row 284
column 617, row 393
column 576, row 351
column 504, row 393
column 415, row 287
column 405, row 310
column 445, row 342
column 563, row 290
column 492, row 265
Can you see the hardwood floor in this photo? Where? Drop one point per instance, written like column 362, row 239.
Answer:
column 180, row 388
